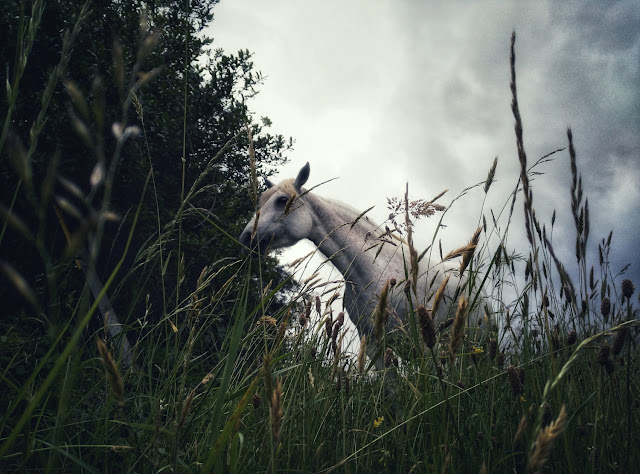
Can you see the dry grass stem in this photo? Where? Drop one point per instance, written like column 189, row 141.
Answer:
column 459, row 252
column 513, row 376
column 618, row 341
column 254, row 230
column 468, row 255
column 185, row 409
column 277, row 413
column 627, row 288
column 362, row 354
column 21, row 285
column 252, row 164
column 390, row 358
column 438, row 297
column 413, row 254
column 290, row 201
column 544, row 442
column 491, row 175
column 111, row 371
column 457, row 333
column 380, row 313
column 426, row 327
column 522, row 427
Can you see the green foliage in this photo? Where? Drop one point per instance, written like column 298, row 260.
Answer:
column 123, row 161
column 74, row 75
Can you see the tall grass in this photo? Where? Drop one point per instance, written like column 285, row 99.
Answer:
column 553, row 384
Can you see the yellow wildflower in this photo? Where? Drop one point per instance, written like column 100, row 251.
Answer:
column 522, row 399
column 378, row 421
column 478, row 350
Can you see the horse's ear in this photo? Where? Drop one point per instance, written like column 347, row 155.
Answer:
column 302, row 177
column 268, row 183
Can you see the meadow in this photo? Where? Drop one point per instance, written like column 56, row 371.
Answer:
column 552, row 386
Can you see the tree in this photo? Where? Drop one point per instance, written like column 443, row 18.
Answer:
column 118, row 53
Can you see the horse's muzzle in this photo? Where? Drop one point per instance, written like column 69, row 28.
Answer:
column 254, row 244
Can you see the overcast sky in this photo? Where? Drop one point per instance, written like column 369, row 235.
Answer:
column 380, row 93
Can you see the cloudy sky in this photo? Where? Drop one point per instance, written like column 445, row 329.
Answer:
column 381, row 93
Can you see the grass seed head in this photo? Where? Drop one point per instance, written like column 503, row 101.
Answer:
column 438, row 297
column 545, row 440
column 513, row 376
column 604, row 358
column 493, row 348
column 334, row 335
column 605, row 307
column 547, row 415
column 444, row 324
column 380, row 313
column 21, row 285
column 256, row 400
column 267, row 321
column 290, row 201
column 390, row 358
column 185, row 409
column 471, row 248
column 426, row 326
column 618, row 341
column 277, row 413
column 491, row 175
column 627, row 288
column 457, row 333
column 362, row 354
column 303, row 319
column 112, row 372
column 281, row 331
column 522, row 427
column 603, row 353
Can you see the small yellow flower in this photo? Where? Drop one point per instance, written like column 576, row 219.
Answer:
column 478, row 350
column 522, row 399
column 378, row 421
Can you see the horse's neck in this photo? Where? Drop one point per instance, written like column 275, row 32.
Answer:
column 336, row 235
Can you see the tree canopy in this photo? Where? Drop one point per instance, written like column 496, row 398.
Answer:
column 119, row 114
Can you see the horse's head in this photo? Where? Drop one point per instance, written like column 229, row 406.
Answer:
column 282, row 219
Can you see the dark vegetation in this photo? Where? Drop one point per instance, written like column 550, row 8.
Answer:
column 58, row 137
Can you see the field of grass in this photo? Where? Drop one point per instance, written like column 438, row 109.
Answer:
column 559, row 393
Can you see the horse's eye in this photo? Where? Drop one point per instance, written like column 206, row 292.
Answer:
column 282, row 201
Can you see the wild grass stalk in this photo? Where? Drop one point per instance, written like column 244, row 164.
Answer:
column 24, row 44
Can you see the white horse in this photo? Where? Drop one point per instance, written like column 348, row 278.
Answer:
column 366, row 256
